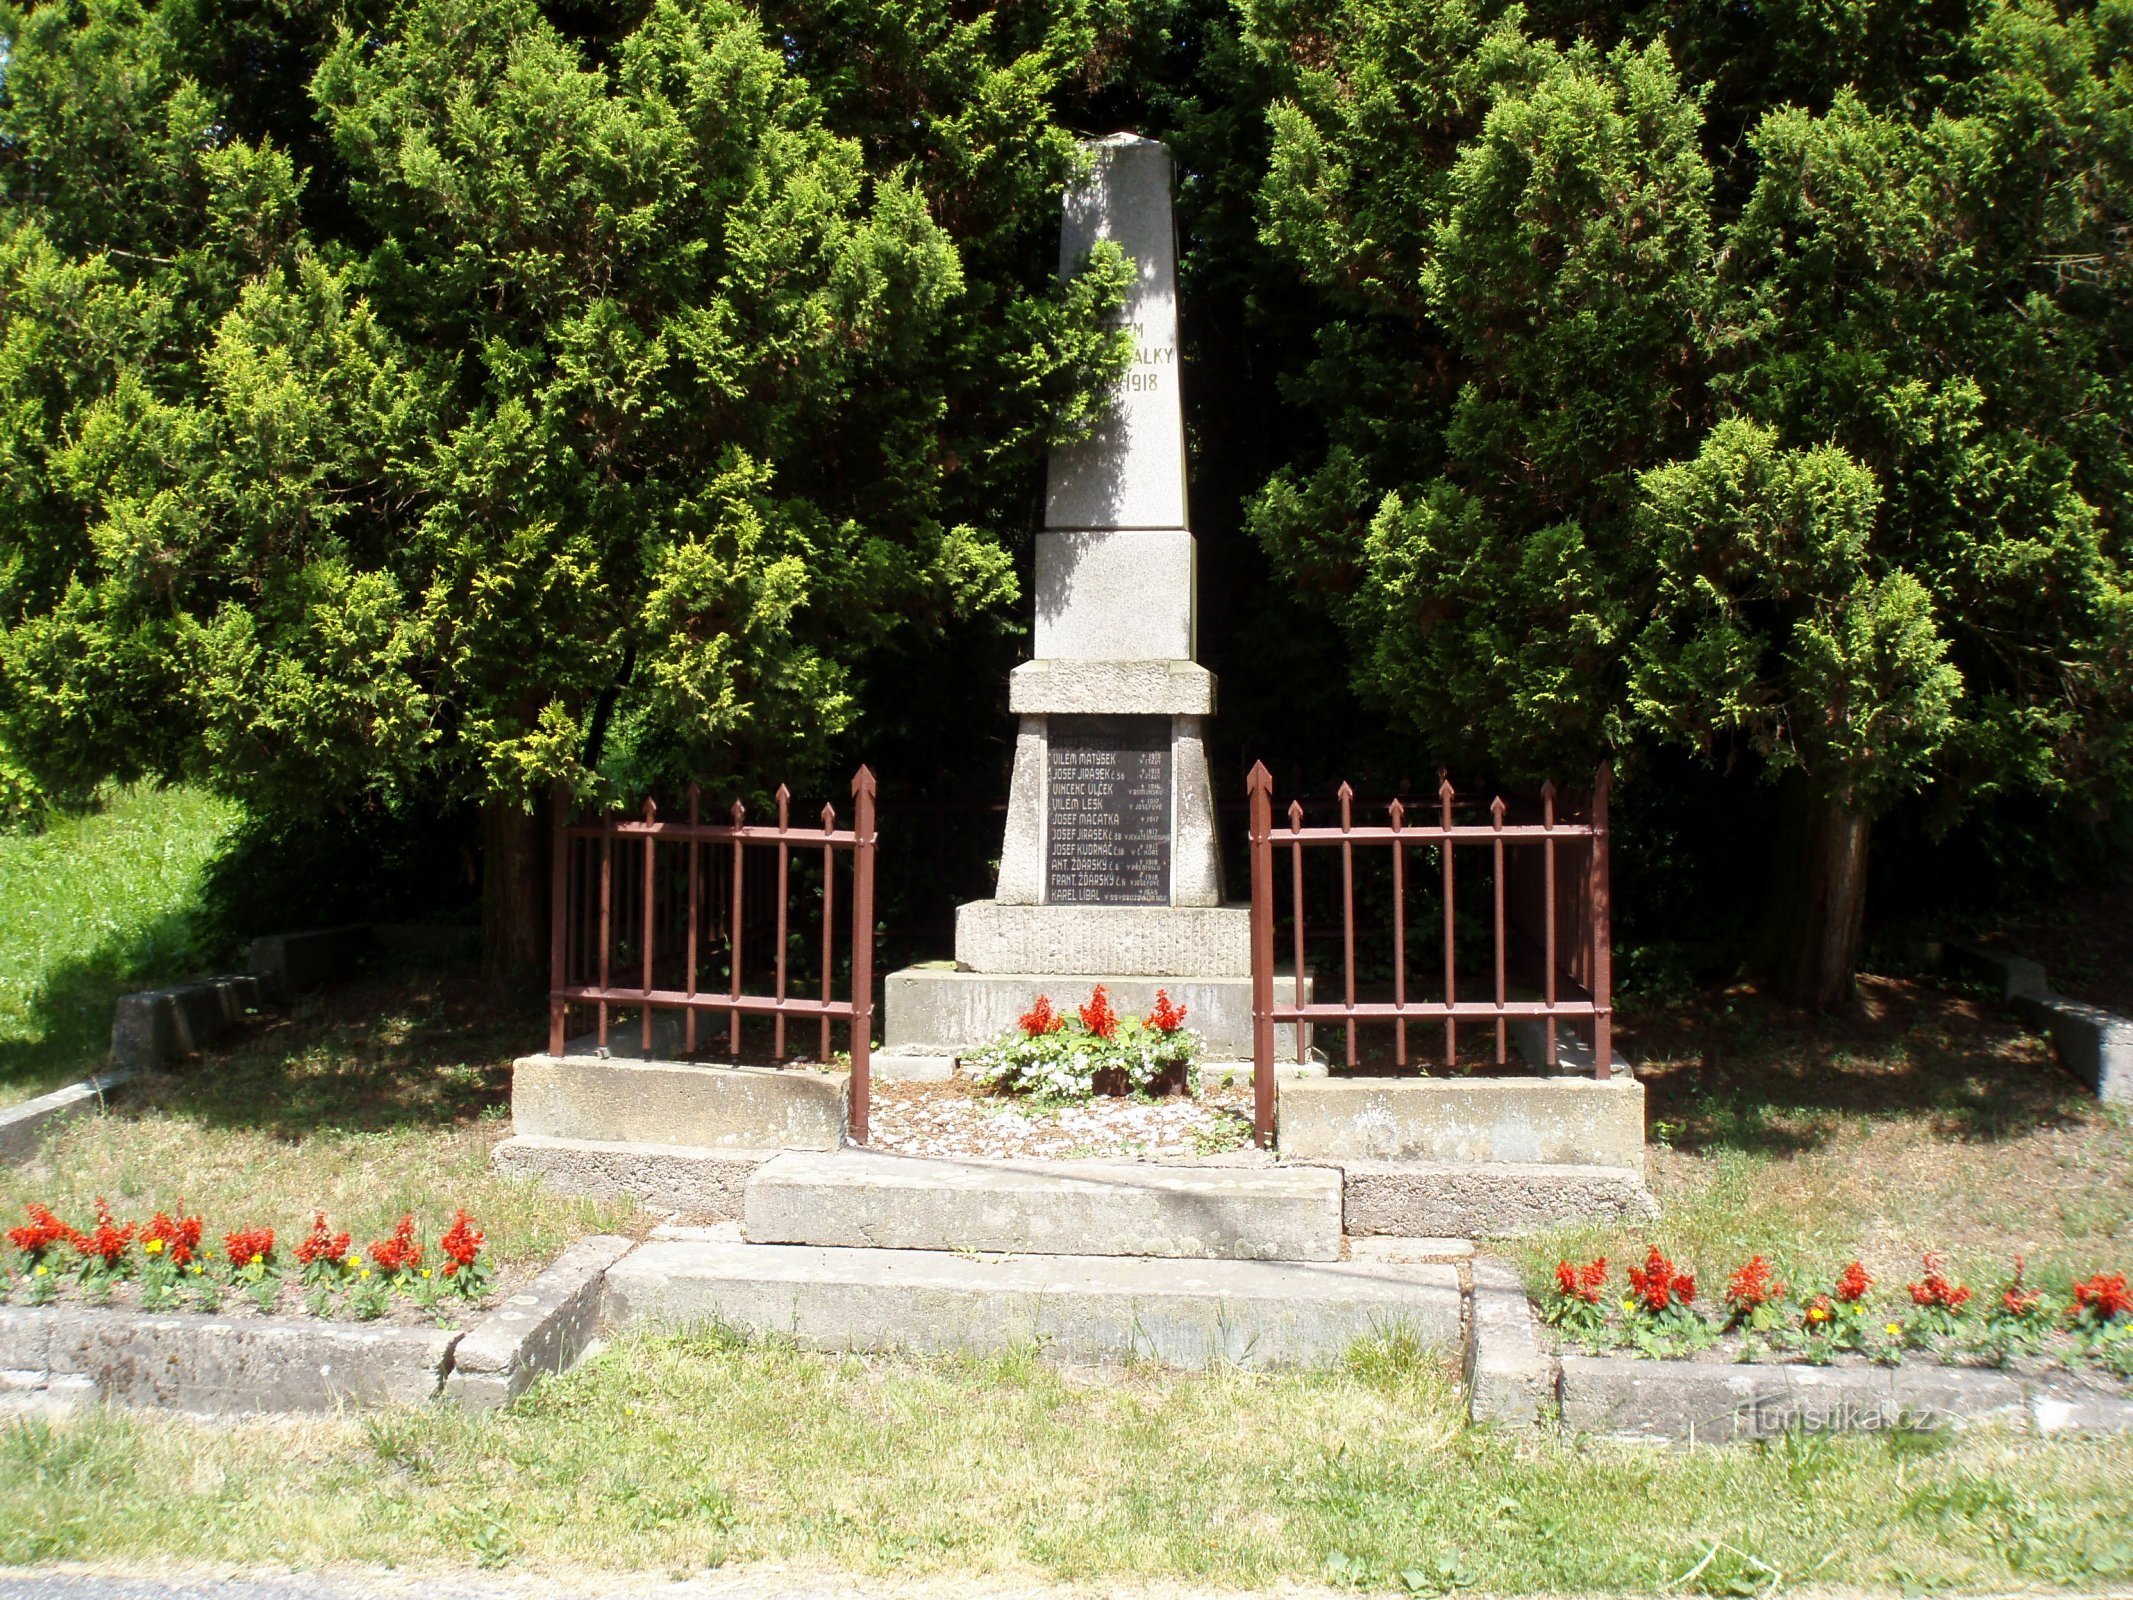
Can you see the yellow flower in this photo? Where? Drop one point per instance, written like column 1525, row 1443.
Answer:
column 353, row 1261
column 1629, row 1305
column 40, row 1269
column 258, row 1259
column 366, row 1272
column 425, row 1272
column 1895, row 1328
column 154, row 1247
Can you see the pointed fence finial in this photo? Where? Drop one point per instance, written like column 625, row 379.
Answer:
column 1397, row 812
column 829, row 819
column 1548, row 803
column 651, row 809
column 1296, row 816
column 740, row 813
column 1347, row 794
column 1258, row 779
column 784, row 807
column 1496, row 812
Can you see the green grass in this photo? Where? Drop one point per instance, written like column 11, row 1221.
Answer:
column 675, row 1452
column 370, row 1099
column 94, row 906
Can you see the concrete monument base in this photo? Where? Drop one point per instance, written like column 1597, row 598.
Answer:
column 1549, row 1121
column 615, row 1100
column 931, row 1011
column 1152, row 941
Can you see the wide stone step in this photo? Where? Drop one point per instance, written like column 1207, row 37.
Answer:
column 862, row 1199
column 1072, row 1308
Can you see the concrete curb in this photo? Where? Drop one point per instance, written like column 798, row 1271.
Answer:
column 24, row 1127
column 214, row 1366
column 1689, row 1402
column 1510, row 1376
column 543, row 1329
column 2093, row 1044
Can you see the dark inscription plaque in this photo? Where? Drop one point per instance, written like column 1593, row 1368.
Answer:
column 1107, row 825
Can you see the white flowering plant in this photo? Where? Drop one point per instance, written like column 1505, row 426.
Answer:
column 1054, row 1055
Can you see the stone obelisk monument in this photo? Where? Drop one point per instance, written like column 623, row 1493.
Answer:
column 1109, row 870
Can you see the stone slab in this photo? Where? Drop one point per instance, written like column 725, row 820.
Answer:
column 155, row 1027
column 2093, row 1044
column 1168, row 942
column 213, row 1366
column 1071, row 1208
column 1129, row 472
column 1116, row 595
column 25, row 1126
column 2013, row 976
column 1073, row 687
column 928, row 1011
column 1071, row 1308
column 1705, row 1402
column 290, row 963
column 1486, row 1199
column 542, row 1329
column 677, row 1103
column 1555, row 1120
column 1573, row 1050
column 664, row 1177
column 1510, row 1375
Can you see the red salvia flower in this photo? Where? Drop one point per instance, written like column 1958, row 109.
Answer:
column 1660, row 1284
column 400, row 1253
column 2017, row 1299
column 2103, row 1298
column 178, row 1236
column 107, row 1241
column 1582, row 1283
column 1937, row 1289
column 1097, row 1016
column 1040, row 1019
column 319, row 1245
column 1166, row 1018
column 1852, row 1284
column 461, row 1243
column 1753, row 1287
column 41, row 1232
column 248, row 1245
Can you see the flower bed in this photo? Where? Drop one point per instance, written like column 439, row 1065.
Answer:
column 168, row 1263
column 1761, row 1317
column 1054, row 1056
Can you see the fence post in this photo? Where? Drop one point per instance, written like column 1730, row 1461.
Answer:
column 862, row 953
column 1260, row 786
column 1602, row 932
column 558, row 916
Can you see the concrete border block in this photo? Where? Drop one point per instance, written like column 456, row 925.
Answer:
column 311, row 957
column 1461, row 1200
column 701, row 1106
column 155, row 1027
column 211, row 1366
column 666, row 1177
column 24, row 1127
column 2013, row 976
column 1510, row 1376
column 542, row 1329
column 2093, row 1044
column 1559, row 1121
column 909, row 1066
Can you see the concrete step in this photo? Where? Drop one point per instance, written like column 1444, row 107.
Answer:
column 1074, row 1308
column 862, row 1199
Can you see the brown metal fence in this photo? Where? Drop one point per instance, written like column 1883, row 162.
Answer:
column 683, row 916
column 1547, row 900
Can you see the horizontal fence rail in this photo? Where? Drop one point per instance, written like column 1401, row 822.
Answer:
column 1547, row 912
column 662, row 914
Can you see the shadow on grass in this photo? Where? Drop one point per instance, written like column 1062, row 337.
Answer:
column 1743, row 1073
column 405, row 1047
column 69, row 1014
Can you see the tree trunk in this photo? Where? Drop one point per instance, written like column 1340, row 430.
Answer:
column 514, row 895
column 1818, row 908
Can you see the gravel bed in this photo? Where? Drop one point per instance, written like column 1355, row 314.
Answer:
column 957, row 1119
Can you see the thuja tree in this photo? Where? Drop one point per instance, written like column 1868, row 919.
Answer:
column 589, row 396
column 1656, row 414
